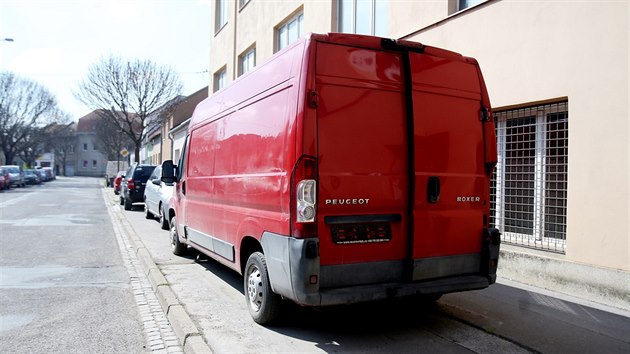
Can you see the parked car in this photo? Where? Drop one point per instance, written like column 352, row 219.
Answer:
column 117, row 180
column 31, row 177
column 16, row 176
column 272, row 184
column 133, row 185
column 4, row 178
column 50, row 173
column 157, row 195
column 45, row 173
column 41, row 174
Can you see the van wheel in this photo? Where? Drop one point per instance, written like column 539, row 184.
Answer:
column 122, row 200
column 128, row 204
column 177, row 247
column 262, row 302
column 163, row 220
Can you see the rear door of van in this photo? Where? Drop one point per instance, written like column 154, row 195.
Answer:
column 402, row 187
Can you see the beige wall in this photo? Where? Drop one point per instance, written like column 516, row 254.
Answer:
column 255, row 25
column 543, row 50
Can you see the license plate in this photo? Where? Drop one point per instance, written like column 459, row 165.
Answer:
column 360, row 233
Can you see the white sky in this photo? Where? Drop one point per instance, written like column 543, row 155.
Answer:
column 55, row 41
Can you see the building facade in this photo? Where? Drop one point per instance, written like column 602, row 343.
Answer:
column 557, row 74
column 86, row 158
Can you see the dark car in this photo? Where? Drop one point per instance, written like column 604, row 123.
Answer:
column 134, row 183
column 31, row 177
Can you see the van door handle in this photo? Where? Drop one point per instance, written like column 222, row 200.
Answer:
column 433, row 190
column 184, row 187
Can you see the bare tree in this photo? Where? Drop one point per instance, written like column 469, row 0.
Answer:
column 25, row 107
column 61, row 140
column 128, row 93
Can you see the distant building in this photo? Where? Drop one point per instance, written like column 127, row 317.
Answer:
column 159, row 144
column 87, row 159
column 172, row 138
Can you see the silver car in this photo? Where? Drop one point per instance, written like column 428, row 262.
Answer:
column 16, row 176
column 157, row 196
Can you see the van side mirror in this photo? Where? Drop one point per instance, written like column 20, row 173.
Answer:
column 168, row 172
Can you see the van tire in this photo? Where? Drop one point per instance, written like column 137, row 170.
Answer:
column 178, row 248
column 122, row 200
column 263, row 304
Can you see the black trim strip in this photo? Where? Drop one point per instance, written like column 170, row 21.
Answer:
column 362, row 219
column 404, row 50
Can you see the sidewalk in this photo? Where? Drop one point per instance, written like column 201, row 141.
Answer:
column 185, row 329
column 193, row 339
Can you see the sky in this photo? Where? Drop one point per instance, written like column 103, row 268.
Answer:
column 56, row 41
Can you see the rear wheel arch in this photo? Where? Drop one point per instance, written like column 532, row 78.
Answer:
column 249, row 245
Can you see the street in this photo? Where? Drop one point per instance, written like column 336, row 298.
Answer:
column 65, row 287
column 69, row 283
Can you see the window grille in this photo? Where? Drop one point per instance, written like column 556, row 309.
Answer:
column 529, row 186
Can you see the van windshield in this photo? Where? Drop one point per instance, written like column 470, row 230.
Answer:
column 13, row 169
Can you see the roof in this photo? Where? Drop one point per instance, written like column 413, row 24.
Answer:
column 186, row 108
column 88, row 123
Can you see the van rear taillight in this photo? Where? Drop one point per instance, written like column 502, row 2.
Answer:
column 130, row 184
column 304, row 198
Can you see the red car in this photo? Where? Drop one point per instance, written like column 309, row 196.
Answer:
column 346, row 168
column 117, row 181
column 4, row 178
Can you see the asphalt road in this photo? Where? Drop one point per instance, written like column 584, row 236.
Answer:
column 63, row 285
column 505, row 318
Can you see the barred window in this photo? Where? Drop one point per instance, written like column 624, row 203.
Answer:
column 529, row 187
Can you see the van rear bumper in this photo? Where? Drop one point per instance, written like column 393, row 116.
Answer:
column 295, row 273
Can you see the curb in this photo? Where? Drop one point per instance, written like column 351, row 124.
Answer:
column 190, row 337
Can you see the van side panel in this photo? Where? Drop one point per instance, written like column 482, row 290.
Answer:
column 240, row 160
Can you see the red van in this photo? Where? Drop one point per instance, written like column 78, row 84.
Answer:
column 346, row 168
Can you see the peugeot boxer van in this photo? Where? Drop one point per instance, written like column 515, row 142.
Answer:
column 344, row 169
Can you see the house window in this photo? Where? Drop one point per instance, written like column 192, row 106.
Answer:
column 290, row 31
column 219, row 79
column 85, row 147
column 246, row 61
column 529, row 187
column 85, row 164
column 93, row 163
column 220, row 14
column 464, row 4
column 362, row 17
column 94, row 147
